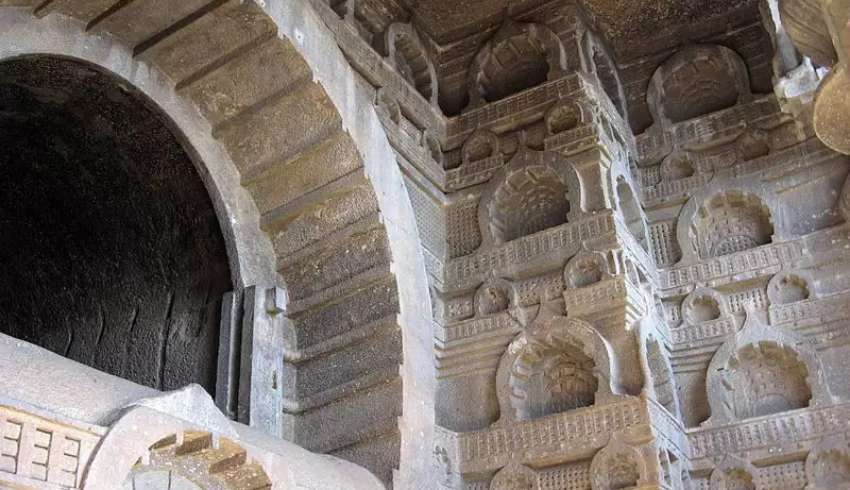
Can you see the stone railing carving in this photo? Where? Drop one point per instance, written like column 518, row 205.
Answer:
column 798, row 156
column 762, row 260
column 702, row 331
column 472, row 173
column 774, row 430
column 823, row 309
column 706, row 128
column 511, row 108
column 582, row 431
column 469, row 329
column 466, row 272
column 43, row 453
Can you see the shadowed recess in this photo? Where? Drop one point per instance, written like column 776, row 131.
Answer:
column 111, row 250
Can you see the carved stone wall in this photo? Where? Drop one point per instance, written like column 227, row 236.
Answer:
column 631, row 245
column 657, row 195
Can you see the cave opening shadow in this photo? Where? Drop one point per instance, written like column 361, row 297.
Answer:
column 111, row 250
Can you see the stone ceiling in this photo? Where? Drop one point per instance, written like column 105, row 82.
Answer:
column 620, row 21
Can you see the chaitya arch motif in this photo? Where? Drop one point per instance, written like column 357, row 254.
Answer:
column 763, row 370
column 538, row 55
column 697, row 80
column 561, row 364
column 233, row 84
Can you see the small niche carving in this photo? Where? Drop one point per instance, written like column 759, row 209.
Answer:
column 787, row 288
column 704, row 309
column 766, row 378
column 585, row 270
column 563, row 117
column 491, row 299
column 616, row 467
column 530, row 200
column 480, row 146
column 552, row 377
column 731, row 222
column 677, row 167
column 738, row 479
column 831, row 469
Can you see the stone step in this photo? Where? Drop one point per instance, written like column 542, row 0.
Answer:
column 85, row 10
column 344, row 206
column 262, row 68
column 196, row 48
column 364, row 420
column 347, row 313
column 357, row 366
column 284, row 183
column 194, row 442
column 137, row 21
column 280, row 130
column 337, row 263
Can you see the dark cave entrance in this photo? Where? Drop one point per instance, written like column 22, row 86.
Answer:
column 110, row 247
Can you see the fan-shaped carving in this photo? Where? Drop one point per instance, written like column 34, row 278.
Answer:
column 514, row 477
column 564, row 116
column 552, row 376
column 410, row 59
column 734, row 473
column 631, row 211
column 738, row 479
column 766, row 378
column 585, row 269
column 831, row 468
column 663, row 382
column 698, row 80
column 617, row 466
column 197, row 460
column 677, row 166
column 481, row 145
column 804, row 22
column 731, row 222
column 785, row 288
column 752, row 145
column 491, row 299
column 531, row 199
column 762, row 370
column 519, row 56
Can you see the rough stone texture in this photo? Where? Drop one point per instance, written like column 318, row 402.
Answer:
column 83, row 428
column 649, row 311
column 194, row 58
column 113, row 251
column 619, row 258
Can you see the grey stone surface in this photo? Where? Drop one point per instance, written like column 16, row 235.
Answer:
column 113, row 249
column 602, row 240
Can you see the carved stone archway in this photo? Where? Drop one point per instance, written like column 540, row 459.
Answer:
column 296, row 170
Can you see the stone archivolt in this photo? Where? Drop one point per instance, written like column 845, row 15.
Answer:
column 634, row 257
column 519, row 56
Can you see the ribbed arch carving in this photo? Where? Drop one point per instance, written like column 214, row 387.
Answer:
column 729, row 222
column 519, row 56
column 407, row 53
column 563, row 365
column 763, row 370
column 697, row 80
